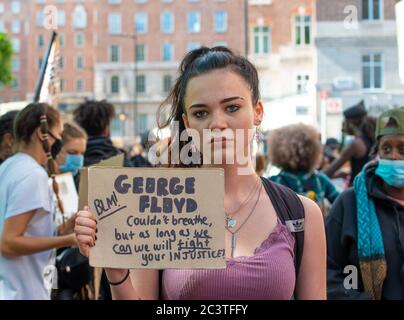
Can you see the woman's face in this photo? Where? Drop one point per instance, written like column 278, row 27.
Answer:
column 391, row 147
column 221, row 100
column 75, row 146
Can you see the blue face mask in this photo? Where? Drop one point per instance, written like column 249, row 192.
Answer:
column 392, row 172
column 72, row 163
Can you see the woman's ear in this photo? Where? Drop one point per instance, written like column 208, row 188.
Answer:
column 38, row 133
column 185, row 119
column 258, row 113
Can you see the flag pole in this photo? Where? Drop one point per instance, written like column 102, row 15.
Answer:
column 43, row 68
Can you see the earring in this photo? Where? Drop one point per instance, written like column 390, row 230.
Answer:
column 257, row 135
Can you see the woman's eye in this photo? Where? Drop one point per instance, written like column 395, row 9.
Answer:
column 232, row 108
column 200, row 114
column 386, row 149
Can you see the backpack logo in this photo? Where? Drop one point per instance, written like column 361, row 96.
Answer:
column 295, row 225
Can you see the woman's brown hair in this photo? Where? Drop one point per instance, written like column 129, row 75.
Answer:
column 198, row 62
column 295, row 147
column 33, row 116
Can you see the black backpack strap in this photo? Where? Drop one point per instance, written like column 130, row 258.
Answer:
column 290, row 211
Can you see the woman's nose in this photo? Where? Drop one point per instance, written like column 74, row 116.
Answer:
column 218, row 122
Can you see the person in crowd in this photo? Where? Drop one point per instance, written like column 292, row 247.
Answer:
column 297, row 151
column 330, row 153
column 140, row 159
column 260, row 164
column 217, row 90
column 71, row 157
column 28, row 233
column 6, row 135
column 362, row 127
column 95, row 118
column 365, row 225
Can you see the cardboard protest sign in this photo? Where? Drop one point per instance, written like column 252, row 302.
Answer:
column 158, row 218
column 68, row 195
column 116, row 161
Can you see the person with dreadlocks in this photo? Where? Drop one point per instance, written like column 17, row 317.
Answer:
column 28, row 233
column 365, row 226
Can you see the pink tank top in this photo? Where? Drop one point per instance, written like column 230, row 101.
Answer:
column 267, row 275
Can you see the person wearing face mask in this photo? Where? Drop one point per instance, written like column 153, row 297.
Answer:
column 358, row 131
column 28, row 233
column 6, row 135
column 71, row 157
column 365, row 226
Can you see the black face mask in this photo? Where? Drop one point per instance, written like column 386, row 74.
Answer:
column 56, row 147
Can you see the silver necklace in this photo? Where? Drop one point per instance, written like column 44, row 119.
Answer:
column 230, row 221
column 233, row 233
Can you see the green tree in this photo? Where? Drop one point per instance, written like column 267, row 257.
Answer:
column 6, row 54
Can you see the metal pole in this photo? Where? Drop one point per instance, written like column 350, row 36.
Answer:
column 135, row 117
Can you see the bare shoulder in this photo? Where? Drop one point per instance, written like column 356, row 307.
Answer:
column 313, row 215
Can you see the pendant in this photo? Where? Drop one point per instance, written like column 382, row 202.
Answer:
column 233, row 244
column 231, row 223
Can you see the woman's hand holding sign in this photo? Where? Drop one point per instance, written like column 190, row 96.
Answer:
column 85, row 230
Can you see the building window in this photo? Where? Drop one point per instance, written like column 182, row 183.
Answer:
column 114, row 23
column 2, row 26
column 80, row 39
column 1, row 7
column 140, row 52
column 15, row 7
column 114, row 84
column 80, row 85
column 372, row 71
column 142, row 123
column 79, row 63
column 61, row 38
column 40, row 61
column 16, row 45
column 302, row 82
column 262, row 38
column 41, row 41
column 167, row 22
column 62, row 85
column 114, row 1
column 61, row 63
column 141, row 22
column 194, row 22
column 15, row 26
column 372, row 9
column 40, row 18
column 168, row 52
column 15, row 65
column 302, row 110
column 141, row 83
column 79, row 17
column 192, row 46
column 61, row 18
column 167, row 83
column 15, row 84
column 114, row 53
column 220, row 21
column 117, row 127
column 302, row 30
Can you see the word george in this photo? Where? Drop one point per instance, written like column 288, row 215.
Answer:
column 161, row 186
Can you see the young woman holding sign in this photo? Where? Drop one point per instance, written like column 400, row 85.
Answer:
column 218, row 90
column 27, row 227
